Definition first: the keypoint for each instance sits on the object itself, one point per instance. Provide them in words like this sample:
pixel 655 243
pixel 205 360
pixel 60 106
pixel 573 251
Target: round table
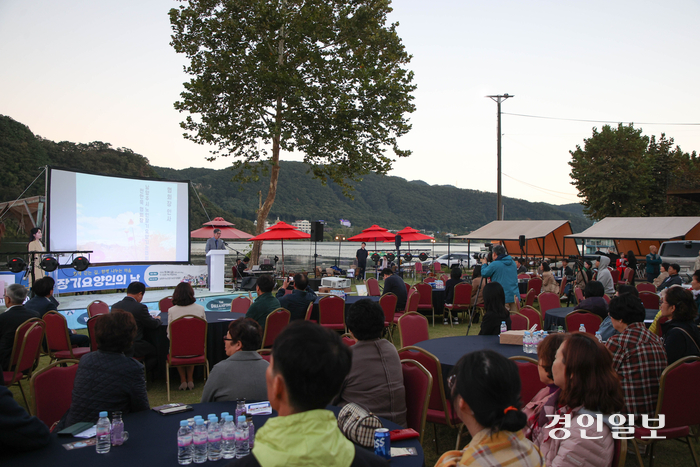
pixel 557 316
pixel 153 442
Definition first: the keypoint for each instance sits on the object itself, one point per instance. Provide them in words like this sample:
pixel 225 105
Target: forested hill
pixel 391 202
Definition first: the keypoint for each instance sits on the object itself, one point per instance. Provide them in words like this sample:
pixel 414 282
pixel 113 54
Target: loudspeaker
pixel 521 240
pixel 316 231
pixel 248 283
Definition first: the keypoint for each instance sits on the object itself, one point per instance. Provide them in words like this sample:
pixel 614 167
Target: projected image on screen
pixel 119 219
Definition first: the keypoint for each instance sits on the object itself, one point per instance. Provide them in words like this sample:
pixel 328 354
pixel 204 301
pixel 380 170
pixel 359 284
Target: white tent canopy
pixel 640 228
pixel 512 230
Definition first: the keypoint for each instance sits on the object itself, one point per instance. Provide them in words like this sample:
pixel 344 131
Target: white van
pixel 683 252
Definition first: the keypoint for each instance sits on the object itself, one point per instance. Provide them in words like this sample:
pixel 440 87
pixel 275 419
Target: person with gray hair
pixel 503 270
pixel 11 319
pixel 214 243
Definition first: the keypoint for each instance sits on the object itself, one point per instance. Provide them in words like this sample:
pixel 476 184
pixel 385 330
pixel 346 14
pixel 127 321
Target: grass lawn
pixel 668 453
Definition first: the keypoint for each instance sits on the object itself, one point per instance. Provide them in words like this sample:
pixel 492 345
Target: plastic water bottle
pixel 228 438
pixel 184 443
pixel 117 429
pixel 251 433
pixel 104 443
pixel 582 328
pixel 504 328
pixel 240 409
pixel 599 336
pixel 200 442
pixel 214 439
pixel 242 446
pixel 222 420
pixel 527 341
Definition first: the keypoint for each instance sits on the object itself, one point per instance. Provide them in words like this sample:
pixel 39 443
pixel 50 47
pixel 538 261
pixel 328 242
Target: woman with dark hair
pixel 632 264
pixel 35 245
pixel 546 351
pixel 663 275
pixel 242 374
pixel 107 379
pixel 588 388
pixel 485 389
pixel 184 304
pixel 478 283
pixel 584 274
pixel 496 311
pixel 455 278
pixel 681 336
pixel 549 283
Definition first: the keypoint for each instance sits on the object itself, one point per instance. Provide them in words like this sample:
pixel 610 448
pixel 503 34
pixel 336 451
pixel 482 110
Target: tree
pixel 611 172
pixel 326 78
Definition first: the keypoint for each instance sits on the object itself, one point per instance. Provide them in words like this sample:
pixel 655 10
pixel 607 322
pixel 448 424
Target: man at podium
pixel 214 243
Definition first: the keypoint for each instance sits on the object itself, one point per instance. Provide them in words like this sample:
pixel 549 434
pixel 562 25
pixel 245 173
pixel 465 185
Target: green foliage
pixel 22 158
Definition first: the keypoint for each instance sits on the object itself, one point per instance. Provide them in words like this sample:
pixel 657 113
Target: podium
pixel 216 270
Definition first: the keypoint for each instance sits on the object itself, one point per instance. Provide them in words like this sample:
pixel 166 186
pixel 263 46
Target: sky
pixel 85 70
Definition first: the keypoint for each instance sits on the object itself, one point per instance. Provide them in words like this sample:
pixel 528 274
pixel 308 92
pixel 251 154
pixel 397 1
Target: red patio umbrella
pixel 281 231
pixel 227 230
pixel 409 234
pixel 374 233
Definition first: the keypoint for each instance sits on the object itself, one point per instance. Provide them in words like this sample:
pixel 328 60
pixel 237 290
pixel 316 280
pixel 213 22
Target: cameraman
pixel 503 271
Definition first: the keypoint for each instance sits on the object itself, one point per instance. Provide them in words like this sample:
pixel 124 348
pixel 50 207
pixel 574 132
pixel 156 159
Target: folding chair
pixel 418 383
pixel 52 390
pixel 413 328
pixel 188 345
pixel 274 323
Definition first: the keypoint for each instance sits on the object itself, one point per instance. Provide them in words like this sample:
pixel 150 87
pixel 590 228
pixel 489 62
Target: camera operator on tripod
pixel 502 270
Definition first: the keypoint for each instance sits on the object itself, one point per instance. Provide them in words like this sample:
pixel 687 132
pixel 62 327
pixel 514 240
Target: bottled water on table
pixel 242 446
pixel 527 341
pixel 214 439
pixel 184 443
pixel 222 420
pixel 240 409
pixel 582 328
pixel 599 336
pixel 504 328
pixel 104 442
pixel 200 442
pixel 228 438
pixel 117 429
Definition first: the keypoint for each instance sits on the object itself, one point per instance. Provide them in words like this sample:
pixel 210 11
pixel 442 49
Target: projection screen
pixel 122 220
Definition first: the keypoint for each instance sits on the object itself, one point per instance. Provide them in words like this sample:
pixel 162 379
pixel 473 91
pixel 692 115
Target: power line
pixel 598 121
pixel 544 190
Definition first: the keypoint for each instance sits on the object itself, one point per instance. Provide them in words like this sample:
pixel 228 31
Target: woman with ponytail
pixel 485 389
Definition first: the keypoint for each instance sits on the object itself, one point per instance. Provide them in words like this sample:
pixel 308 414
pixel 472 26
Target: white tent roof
pixel 512 230
pixel 639 228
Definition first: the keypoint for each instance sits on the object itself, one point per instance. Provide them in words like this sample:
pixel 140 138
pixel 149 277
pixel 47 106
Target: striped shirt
pixel 503 448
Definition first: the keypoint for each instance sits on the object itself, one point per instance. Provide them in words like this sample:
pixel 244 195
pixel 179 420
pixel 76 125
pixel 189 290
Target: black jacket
pixel 140 311
pixel 41 305
pixel 9 322
pixel 677 343
pixel 18 430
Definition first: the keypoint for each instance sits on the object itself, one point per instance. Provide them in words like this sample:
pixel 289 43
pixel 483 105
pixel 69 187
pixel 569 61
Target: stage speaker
pixel 317 231
pixel 521 241
pixel 248 283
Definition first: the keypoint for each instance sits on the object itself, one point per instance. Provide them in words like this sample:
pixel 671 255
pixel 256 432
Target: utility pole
pixel 498 99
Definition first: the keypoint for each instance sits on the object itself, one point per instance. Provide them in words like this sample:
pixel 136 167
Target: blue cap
pixel 199 421
pixel 214 419
pixel 229 418
pixel 241 418
pixel 198 417
pixel 103 414
pixel 223 415
pixel 211 415
pixel 184 423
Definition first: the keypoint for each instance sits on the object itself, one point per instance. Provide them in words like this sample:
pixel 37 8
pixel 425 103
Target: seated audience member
pixel 593 300
pixel 478 284
pixel 521 268
pixel 375 381
pixel 583 372
pixel 546 351
pixel 603 275
pixel 606 328
pixel 496 311
pixel 639 357
pixel 632 264
pixel 242 266
pixel 455 278
pixel 19 431
pixel 184 304
pixel 681 336
pixel 485 388
pixel 672 279
pixel 695 290
pixel 663 275
pixel 394 284
pixel 307 368
pixel 549 283
pixel 584 274
pixel 143 347
pixel 11 319
pixel 242 374
pixel 265 303
pixel 108 380
pixel 298 301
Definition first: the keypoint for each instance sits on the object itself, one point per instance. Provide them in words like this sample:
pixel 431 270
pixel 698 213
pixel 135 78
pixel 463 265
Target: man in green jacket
pixel 266 303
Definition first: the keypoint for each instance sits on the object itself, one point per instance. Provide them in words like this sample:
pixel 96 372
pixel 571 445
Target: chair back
pixel 548 300
pixel 530 383
pixel 523 276
pixel 429 280
pixel 530 298
pixel 627 276
pixel 650 300
pixel 97 307
pixel 562 286
pixel 388 303
pixel 413 300
pixel 679 409
pixel 52 390
pixel 444 278
pixel 418 267
pixel 646 287
pixel 437 267
pixel 519 322
pixel 413 328
pixel 309 310
pixel 240 304
pixel 234 273
pixel 615 273
pixel 619 452
pixel 426 294
pixel 91 332
pixel 25 349
pixel 274 323
pixel 576 318
pixel 164 304
pixel 579 294
pixel 348 339
pixel 265 354
pixel 418 383
pixel 373 287
pixel 535 283
pixel 188 337
pixel 408 288
pixel 533 316
pixel 607 299
pixel 331 313
pixel 57 338
pixel 462 294
pixel 437 400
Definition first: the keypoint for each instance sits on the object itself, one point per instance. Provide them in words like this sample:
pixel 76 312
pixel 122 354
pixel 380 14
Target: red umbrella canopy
pixel 227 230
pixel 281 231
pixel 409 234
pixel 219 222
pixel 373 234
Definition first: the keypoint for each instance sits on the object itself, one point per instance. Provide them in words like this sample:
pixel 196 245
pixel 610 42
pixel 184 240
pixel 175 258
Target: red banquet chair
pixel 429 280
pixel 530 383
pixel 348 339
pixel 52 391
pixel 533 316
pixel 309 310
pixel 331 313
pixel 25 353
pixel 165 304
pixel 575 319
pixel 579 294
pixel 58 339
pixel 274 323
pixel 523 276
pixel 519 322
pixel 607 299
pixel 418 383
pixel 534 283
pixel 615 273
pixel 680 411
pixel 650 300
pixel 548 301
pixel 646 287
pixel 460 298
pixel 373 287
pixel 388 304
pixel 188 345
pixel 91 332
pixel 411 304
pixel 240 304
pixel 265 354
pixel 426 299
pixel 530 297
pixel 97 307
pixel 440 409
pixel 413 328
